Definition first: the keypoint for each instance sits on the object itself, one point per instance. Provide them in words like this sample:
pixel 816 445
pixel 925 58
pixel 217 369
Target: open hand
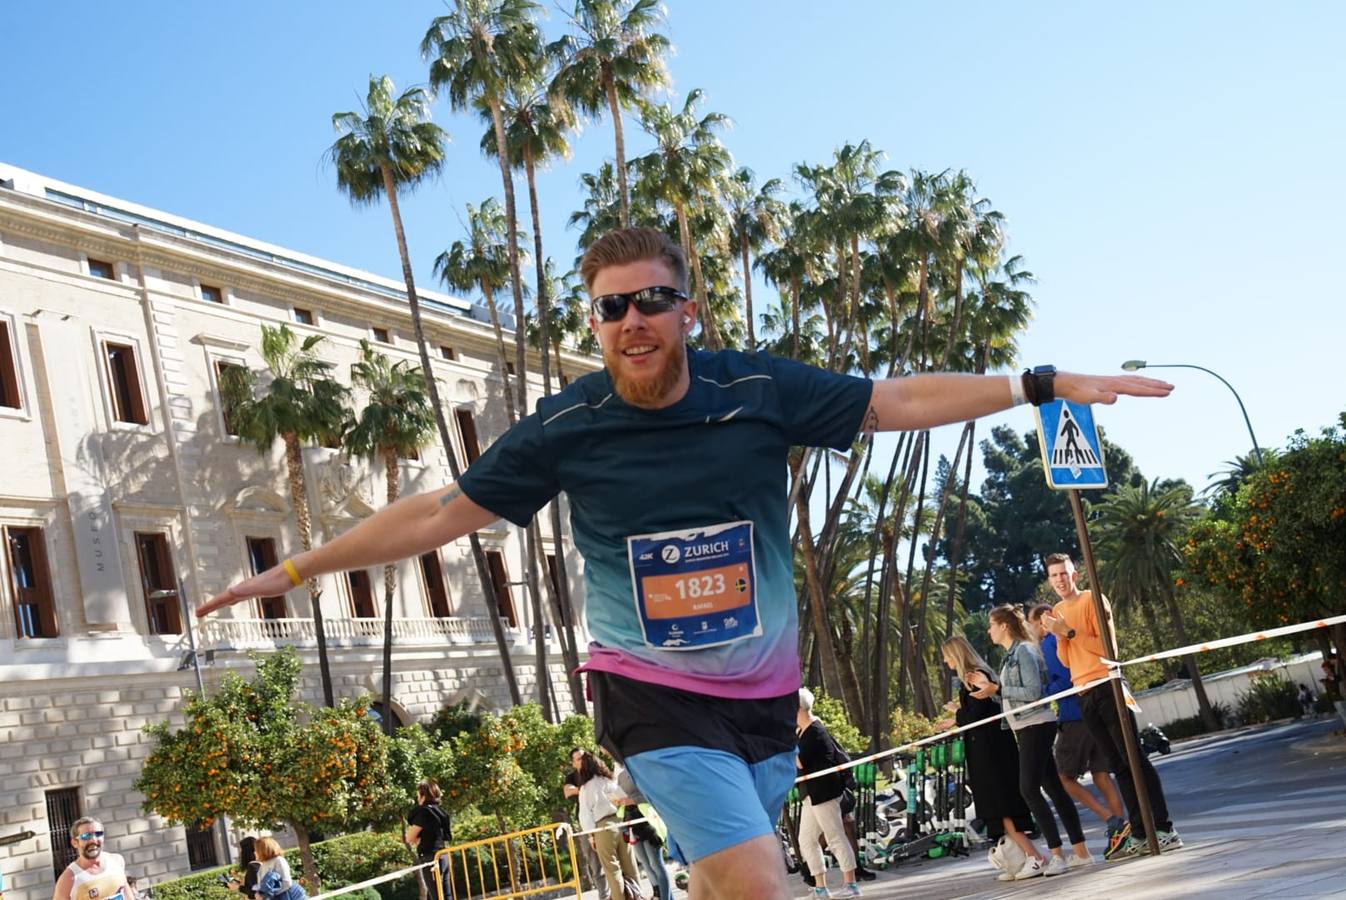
pixel 273 582
pixel 1107 388
pixel 1055 624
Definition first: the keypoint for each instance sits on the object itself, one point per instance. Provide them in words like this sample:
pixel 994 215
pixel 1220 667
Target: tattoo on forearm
pixel 870 424
pixel 453 493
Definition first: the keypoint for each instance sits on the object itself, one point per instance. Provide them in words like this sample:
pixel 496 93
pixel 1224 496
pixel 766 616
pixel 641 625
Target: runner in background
pixel 95 874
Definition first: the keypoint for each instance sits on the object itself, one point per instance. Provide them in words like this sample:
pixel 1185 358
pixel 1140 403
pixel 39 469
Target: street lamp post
pixel 1132 365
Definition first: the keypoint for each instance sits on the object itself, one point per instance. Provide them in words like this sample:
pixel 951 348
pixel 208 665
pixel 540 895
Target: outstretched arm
pixel 410 527
pixel 927 400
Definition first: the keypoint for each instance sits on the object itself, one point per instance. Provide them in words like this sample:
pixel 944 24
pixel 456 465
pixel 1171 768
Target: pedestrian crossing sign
pixel 1072 453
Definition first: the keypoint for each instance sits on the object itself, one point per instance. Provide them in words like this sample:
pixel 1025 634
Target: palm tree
pixel 614 57
pixel 1139 531
pixel 395 423
pixel 299 402
pixel 482 263
pixel 480 49
pixel 755 215
pixel 685 170
pixel 392 143
pixel 1238 470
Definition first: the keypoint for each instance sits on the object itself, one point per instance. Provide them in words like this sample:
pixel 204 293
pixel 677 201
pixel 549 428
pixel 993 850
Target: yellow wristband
pixel 290 570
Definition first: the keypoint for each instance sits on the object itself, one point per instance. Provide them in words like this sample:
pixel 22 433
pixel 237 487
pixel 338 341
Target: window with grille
pixel 62 812
pixel 201 847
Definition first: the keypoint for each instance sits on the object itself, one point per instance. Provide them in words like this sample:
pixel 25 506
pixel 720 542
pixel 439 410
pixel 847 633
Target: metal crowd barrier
pixel 538 862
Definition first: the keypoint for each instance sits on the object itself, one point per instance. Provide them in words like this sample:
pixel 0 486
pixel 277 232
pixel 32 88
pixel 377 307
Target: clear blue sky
pixel 1172 173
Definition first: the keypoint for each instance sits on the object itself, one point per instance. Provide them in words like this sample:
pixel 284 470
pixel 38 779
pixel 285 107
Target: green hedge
pixel 358 857
pixel 1269 697
pixel 344 860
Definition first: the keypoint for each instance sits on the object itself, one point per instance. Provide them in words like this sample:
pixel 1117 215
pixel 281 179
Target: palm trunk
pixel 955 557
pixel 708 326
pixel 794 317
pixel 925 699
pixel 747 293
pixel 515 276
pixel 614 108
pixel 392 473
pixel 1193 668
pixel 557 594
pixel 478 554
pixel 500 349
pixel 822 630
pixel 294 464
pixel 906 671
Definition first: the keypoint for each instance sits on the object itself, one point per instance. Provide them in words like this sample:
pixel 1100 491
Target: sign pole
pixel 1110 647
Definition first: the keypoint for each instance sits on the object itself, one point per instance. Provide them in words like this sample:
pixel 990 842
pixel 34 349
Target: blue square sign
pixel 1072 454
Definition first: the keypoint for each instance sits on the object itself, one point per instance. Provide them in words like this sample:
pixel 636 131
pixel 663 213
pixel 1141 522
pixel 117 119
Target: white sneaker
pixel 1032 869
pixel 1057 866
pixel 1005 876
pixel 1075 862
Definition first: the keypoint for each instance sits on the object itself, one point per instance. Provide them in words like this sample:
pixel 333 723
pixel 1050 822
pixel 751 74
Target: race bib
pixel 104 887
pixel 695 588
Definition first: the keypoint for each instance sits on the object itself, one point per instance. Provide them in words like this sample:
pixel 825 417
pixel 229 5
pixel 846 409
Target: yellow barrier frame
pixel 551 845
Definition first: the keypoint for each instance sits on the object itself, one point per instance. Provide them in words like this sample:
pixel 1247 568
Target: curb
pixel 1332 743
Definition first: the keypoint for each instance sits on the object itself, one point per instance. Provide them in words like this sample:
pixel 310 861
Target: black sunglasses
pixel 88 835
pixel 650 301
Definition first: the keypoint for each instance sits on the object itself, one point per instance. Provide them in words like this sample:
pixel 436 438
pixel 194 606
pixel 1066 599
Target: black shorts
pixel 633 717
pixel 1077 752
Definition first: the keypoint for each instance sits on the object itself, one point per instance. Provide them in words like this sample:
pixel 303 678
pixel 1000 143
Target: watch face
pixel 1044 370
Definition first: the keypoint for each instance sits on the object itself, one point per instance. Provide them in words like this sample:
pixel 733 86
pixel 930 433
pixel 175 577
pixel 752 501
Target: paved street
pixel 1262 812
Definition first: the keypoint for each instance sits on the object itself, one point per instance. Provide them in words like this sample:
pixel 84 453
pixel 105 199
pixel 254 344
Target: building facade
pixel 125 500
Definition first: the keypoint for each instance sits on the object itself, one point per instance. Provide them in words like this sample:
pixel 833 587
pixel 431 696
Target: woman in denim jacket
pixel 1022 678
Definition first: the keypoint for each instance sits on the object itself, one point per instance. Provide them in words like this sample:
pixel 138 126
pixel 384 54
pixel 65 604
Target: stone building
pixel 124 500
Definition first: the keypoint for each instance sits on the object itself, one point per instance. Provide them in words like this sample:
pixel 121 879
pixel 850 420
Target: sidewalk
pixel 1262 812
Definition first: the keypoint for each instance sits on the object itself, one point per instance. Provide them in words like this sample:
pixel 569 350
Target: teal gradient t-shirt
pixel 714 463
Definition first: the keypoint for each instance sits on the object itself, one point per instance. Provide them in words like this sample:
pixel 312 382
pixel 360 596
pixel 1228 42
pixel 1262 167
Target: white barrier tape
pixel 618 827
pixel 1114 669
pixel 1233 641
pixel 391 876
pixel 945 735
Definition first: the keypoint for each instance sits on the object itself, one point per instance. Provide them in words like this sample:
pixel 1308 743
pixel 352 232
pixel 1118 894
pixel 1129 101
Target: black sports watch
pixel 1040 384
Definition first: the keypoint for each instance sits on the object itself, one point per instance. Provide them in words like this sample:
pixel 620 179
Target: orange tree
pixel 1276 543
pixel 251 753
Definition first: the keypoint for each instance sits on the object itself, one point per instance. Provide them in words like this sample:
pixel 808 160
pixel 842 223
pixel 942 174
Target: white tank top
pixel 103 883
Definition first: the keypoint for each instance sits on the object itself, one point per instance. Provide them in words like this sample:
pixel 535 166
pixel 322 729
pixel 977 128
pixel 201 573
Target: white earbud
pixel 686 320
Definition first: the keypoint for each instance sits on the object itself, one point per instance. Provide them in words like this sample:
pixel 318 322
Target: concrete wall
pixel 1177 699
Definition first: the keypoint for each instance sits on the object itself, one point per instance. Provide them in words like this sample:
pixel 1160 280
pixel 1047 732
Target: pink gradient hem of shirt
pixel 730 687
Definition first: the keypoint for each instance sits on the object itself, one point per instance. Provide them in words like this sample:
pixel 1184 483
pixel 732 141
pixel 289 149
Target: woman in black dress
pixel 992 757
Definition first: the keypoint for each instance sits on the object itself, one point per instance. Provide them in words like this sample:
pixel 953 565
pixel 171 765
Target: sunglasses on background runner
pixel 650 301
pixel 89 835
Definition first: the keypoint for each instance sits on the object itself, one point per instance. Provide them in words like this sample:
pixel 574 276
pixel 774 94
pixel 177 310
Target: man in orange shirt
pixel 1079 644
